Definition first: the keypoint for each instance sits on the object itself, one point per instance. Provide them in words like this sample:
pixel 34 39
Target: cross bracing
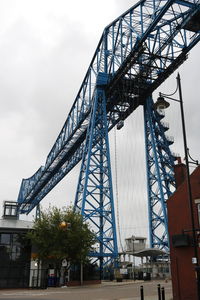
pixel 135 54
pixel 160 175
pixel 94 196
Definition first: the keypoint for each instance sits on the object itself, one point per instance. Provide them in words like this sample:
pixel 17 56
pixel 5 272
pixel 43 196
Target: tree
pixel 61 234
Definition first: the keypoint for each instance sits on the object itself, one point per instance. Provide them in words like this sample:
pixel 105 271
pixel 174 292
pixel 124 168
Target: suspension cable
pixel 116 189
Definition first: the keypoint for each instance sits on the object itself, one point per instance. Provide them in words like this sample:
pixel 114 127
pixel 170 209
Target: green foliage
pixel 55 243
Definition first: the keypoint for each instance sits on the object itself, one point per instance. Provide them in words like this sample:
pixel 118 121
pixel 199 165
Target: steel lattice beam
pixel 160 175
pixel 135 54
pixel 94 196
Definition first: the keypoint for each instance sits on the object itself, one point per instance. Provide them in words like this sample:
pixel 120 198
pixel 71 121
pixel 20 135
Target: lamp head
pixel 161 103
pixel 64 225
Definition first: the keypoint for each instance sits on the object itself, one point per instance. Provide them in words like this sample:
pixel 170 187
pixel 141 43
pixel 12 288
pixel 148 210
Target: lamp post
pixel 133 265
pixel 64 226
pixel 161 101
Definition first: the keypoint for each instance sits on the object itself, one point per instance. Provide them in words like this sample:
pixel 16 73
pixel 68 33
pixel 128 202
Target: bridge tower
pixel 94 196
pixel 136 53
pixel 160 174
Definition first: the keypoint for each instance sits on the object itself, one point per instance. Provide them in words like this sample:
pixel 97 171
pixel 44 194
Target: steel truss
pixel 94 196
pixel 160 174
pixel 135 54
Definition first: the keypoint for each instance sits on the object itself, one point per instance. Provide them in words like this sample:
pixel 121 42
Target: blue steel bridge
pixel 136 53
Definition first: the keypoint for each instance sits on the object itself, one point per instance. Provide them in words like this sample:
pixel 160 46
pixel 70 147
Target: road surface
pixel 104 291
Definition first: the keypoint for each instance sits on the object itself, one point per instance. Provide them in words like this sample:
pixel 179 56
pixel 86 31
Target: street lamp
pixel 64 225
pixel 133 265
pixel 162 103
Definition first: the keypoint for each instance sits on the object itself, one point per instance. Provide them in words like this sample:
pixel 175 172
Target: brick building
pixel 181 243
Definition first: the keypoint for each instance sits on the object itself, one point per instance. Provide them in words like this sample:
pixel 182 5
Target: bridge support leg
pixel 160 174
pixel 94 196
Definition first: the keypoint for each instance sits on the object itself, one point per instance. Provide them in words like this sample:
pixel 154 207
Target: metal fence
pixel 24 277
pixel 15 277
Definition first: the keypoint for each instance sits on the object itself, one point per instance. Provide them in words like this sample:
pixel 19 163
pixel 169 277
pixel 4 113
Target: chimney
pixel 180 172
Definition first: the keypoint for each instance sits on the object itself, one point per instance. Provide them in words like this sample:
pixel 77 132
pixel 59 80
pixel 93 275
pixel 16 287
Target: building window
pixel 15 254
pixel 5 239
pixel 10 209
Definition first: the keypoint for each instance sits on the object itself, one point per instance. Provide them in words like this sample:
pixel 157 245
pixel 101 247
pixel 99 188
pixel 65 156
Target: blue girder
pixel 160 174
pixel 137 51
pixel 94 196
pixel 135 54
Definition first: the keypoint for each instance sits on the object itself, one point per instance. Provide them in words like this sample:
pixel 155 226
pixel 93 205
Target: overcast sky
pixel 45 49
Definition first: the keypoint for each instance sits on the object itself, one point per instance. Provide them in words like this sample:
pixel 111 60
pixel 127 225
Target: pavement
pixel 107 290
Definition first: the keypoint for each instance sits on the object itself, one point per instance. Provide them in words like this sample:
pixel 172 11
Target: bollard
pixel 141 292
pixel 163 293
pixel 159 292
